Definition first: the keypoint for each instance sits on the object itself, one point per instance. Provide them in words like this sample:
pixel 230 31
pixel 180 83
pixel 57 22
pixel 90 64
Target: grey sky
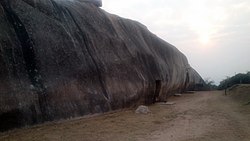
pixel 213 34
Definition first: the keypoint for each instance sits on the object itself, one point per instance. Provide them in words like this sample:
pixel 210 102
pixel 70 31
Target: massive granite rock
pixel 62 59
pixel 97 3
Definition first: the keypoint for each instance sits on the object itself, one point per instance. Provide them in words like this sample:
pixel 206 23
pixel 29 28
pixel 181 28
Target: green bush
pixel 239 78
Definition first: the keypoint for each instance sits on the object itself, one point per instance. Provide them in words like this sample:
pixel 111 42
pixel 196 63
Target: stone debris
pixel 142 110
pixel 166 103
pixel 177 95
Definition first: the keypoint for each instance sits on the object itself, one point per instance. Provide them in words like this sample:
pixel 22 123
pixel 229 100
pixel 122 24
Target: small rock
pixel 142 110
pixel 178 95
pixel 166 103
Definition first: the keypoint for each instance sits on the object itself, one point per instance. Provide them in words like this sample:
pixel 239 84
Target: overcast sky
pixel 213 34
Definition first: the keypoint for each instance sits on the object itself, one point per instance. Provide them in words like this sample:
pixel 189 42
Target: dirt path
pixel 209 116
pixel 203 116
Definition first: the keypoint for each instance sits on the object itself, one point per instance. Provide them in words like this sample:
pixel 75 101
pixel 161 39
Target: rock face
pixel 97 3
pixel 62 59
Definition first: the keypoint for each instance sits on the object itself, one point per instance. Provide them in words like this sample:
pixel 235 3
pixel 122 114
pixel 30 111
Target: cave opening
pixel 158 84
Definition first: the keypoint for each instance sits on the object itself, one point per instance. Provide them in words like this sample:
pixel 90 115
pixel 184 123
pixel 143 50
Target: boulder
pixel 62 59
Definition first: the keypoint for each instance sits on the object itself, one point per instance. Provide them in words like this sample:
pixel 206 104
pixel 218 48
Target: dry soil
pixel 202 116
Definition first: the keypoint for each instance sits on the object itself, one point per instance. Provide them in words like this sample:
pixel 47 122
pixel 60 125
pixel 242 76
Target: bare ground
pixel 203 116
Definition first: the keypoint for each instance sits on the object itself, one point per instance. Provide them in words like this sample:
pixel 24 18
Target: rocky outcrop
pixel 97 3
pixel 62 59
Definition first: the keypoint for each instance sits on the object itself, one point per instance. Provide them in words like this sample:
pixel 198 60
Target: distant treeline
pixel 240 78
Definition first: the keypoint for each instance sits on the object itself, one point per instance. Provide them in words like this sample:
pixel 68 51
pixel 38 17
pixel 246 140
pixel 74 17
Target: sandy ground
pixel 203 116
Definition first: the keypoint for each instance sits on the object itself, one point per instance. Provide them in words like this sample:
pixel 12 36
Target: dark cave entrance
pixel 186 83
pixel 157 91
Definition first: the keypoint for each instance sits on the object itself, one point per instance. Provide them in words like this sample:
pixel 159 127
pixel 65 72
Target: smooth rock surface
pixel 62 59
pixel 97 3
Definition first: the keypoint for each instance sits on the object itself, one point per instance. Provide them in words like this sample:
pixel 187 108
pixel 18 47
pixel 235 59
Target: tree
pixel 210 84
pixel 239 78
